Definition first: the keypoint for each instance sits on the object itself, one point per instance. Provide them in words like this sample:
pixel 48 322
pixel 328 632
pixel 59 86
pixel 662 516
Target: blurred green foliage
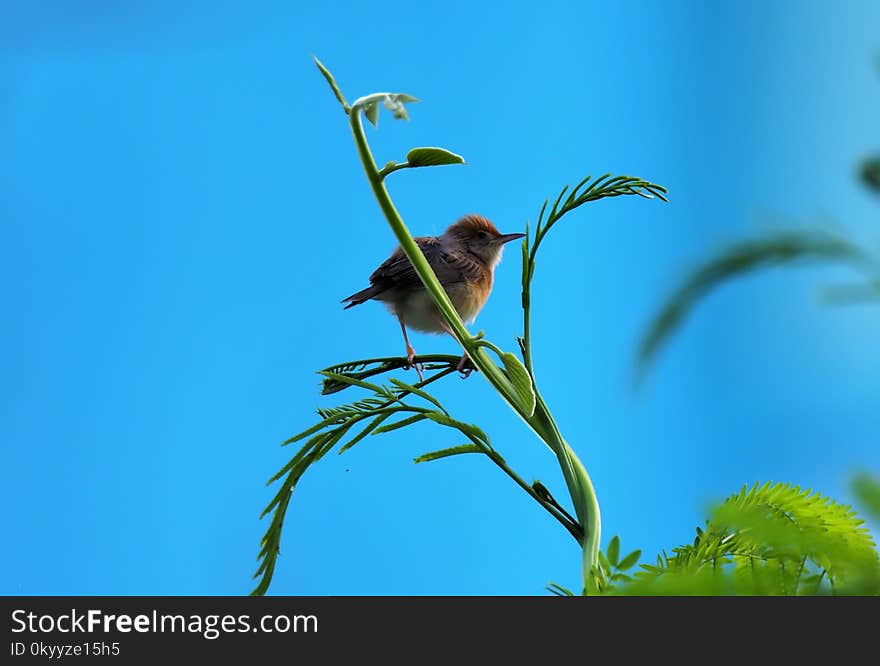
pixel 870 174
pixel 770 539
pixel 785 248
pixel 774 538
pixel 867 491
pixel 739 259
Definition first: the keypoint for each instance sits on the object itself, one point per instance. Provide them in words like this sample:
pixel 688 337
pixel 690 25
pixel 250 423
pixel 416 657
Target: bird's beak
pixel 506 238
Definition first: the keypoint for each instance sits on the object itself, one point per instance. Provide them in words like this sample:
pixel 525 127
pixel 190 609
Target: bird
pixel 464 258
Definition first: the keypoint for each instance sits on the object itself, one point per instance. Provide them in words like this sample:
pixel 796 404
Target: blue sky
pixel 182 209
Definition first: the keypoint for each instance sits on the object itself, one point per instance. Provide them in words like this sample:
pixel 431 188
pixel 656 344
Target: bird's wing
pixel 398 273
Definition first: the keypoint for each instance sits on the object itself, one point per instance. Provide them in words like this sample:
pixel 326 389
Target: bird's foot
pixel 411 360
pixel 465 366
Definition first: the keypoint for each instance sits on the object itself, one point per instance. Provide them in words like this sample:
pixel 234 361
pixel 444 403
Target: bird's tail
pixel 361 297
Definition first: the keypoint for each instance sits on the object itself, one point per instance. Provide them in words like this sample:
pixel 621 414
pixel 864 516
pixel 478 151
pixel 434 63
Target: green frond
pixel 585 191
pixel 369 429
pixel 610 572
pixel 770 539
pixel 467 428
pixel 446 453
pixel 588 190
pixel 559 590
pixel 613 551
pixel 629 561
pixel 371 367
pixel 314 442
pixel 415 418
pixel 867 491
pixel 541 217
pixel 784 524
pixel 781 248
pixel 337 422
pixel 352 381
pixel 870 174
pixel 424 395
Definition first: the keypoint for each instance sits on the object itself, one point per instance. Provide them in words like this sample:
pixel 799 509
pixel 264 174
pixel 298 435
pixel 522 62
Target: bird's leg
pixel 463 371
pixel 410 352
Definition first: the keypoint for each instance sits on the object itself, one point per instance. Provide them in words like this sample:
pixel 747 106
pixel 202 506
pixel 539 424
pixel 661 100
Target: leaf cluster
pixel 769 539
pixel 610 572
pixel 866 488
pixel 588 189
pixel 387 408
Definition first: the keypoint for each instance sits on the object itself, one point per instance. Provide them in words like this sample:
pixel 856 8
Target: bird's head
pixel 479 236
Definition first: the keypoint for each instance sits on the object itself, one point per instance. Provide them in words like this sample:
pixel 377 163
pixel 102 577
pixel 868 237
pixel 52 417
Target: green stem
pixel 528 268
pixel 579 483
pixel 573 528
pixel 391 168
pixel 527 336
pixel 493 347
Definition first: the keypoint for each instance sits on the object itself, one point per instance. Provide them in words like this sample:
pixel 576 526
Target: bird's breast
pixel 470 297
pixel 418 311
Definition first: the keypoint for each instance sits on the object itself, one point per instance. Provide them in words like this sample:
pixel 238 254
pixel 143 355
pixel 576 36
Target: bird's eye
pixel 482 235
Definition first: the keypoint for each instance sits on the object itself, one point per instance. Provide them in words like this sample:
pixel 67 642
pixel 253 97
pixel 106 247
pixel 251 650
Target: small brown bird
pixel 464 260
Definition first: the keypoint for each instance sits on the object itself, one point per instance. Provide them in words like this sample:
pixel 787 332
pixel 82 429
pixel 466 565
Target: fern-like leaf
pixel 782 248
pixel 769 539
pixel 559 590
pixel 371 367
pixel 369 414
pixel 867 491
pixel 446 453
